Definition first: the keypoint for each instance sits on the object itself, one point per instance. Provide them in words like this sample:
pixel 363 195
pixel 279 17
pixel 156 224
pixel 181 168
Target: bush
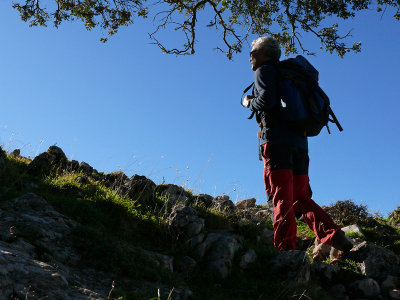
pixel 347 212
pixel 394 217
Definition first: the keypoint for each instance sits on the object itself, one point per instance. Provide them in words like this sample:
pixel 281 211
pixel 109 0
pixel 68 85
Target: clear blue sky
pixel 126 105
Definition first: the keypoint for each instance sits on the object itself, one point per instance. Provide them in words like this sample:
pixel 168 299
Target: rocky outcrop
pixel 141 189
pixel 223 203
pixel 184 222
pixel 292 265
pixel 174 195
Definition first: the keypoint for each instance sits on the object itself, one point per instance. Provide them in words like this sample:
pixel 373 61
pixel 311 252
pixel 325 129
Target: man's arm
pixel 265 83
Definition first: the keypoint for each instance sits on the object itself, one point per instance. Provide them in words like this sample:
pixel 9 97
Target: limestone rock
pixel 324 271
pixel 338 292
pixel 3 157
pixel 391 286
pixel 223 203
pixel 353 228
pixel 115 179
pixel 85 168
pixel 321 251
pixel 161 260
pixel 141 189
pixel 185 265
pixel 293 265
pixel 174 194
pixel 246 203
pixel 375 261
pixel 218 250
pixel 366 288
pixel 248 258
pixel 16 153
pixel 205 199
pixel 184 221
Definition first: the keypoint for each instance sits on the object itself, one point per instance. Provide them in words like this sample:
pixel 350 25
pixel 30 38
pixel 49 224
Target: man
pixel 285 157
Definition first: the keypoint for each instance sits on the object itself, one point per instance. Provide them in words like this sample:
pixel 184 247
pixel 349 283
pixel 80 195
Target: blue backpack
pixel 304 107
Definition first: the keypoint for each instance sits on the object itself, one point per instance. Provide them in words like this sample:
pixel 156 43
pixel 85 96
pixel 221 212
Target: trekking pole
pixel 335 120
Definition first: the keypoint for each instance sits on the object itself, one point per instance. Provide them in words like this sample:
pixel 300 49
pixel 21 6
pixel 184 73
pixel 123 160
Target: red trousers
pixel 287 183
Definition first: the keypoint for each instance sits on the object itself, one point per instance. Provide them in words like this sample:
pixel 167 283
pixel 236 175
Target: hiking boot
pixel 341 242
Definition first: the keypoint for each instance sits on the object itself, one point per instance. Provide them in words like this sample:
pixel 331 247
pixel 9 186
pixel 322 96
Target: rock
pixel 375 261
pixel 220 267
pixel 366 288
pixel 161 260
pixel 41 164
pixel 353 229
pixel 85 168
pixel 73 165
pixel 391 285
pixel 324 271
pixel 16 153
pixel 338 292
pixel 243 204
pixel 293 265
pixel 205 199
pixel 141 189
pixel 39 224
pixel 263 214
pixel 174 194
pixel 44 162
pixel 115 179
pixel 248 258
pixel 82 180
pixel 57 157
pixel 394 294
pixel 3 157
pixel 184 222
pixel 194 241
pixel 222 203
pixel 185 265
pixel 219 250
pixel 321 251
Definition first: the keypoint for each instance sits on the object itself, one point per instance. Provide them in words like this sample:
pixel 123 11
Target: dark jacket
pixel 266 106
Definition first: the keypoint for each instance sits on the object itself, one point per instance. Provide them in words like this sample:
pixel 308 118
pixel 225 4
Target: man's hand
pixel 246 100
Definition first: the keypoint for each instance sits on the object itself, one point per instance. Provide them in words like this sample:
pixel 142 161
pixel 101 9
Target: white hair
pixel 269 45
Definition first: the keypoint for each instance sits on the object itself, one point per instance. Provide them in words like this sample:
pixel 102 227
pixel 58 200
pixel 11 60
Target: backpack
pixel 304 107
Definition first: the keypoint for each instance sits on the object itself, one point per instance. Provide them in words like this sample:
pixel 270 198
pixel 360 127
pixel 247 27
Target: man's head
pixel 263 49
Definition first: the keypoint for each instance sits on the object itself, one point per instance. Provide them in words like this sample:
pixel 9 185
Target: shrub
pixel 347 212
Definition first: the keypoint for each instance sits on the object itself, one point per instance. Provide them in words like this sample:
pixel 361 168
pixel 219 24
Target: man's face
pixel 257 58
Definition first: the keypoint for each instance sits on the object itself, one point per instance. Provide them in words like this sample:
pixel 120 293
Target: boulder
pixel 219 250
pixel 185 222
pixel 185 265
pixel 321 251
pixel 223 203
pixel 375 261
pixel 54 158
pixel 353 229
pixel 115 179
pixel 174 194
pixel 3 157
pixel 248 258
pixel 293 265
pixel 324 271
pixel 41 164
pixel 16 153
pixel 243 204
pixel 338 292
pixel 85 168
pixel 205 199
pixel 141 189
pixel 391 286
pixel 160 260
pixel 368 288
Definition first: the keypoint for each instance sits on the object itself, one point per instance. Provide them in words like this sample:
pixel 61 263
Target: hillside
pixel 68 231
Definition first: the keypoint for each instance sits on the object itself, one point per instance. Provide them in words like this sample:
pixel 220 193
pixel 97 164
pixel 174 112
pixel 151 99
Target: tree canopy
pixel 235 20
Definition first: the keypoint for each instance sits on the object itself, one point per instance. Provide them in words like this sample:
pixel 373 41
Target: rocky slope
pixel 68 231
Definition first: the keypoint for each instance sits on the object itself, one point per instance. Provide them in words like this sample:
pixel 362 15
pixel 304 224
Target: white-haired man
pixel 285 157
